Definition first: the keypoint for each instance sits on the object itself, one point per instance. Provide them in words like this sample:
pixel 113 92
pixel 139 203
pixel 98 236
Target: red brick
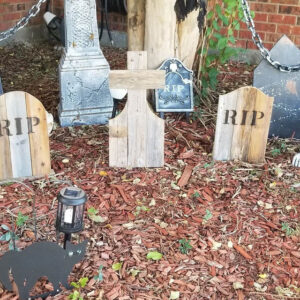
pixel 266 27
pixel 285 29
pixel 272 37
pixel 260 17
pixel 295 2
pixel 288 9
pixel 267 8
pixel 282 19
pixel 295 30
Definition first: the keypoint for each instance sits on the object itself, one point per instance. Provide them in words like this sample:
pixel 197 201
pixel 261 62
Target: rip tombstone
pixel 284 87
pixel 177 95
pixel 24 141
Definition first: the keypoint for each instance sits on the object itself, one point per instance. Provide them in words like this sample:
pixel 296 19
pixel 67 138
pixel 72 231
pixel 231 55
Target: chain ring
pixel 265 53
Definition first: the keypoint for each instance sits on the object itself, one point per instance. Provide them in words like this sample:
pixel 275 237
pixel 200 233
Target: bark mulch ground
pixel 225 230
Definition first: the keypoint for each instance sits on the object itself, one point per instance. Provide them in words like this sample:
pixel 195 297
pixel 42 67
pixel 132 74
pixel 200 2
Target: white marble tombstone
pixel 83 71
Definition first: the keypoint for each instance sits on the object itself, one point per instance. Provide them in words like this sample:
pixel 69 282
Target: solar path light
pixel 71 202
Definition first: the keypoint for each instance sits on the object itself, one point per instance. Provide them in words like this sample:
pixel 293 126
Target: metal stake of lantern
pixel 71 201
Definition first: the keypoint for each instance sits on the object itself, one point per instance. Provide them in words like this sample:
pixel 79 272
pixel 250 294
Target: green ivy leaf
pixel 209 15
pixel 208 215
pixel 92 211
pixel 21 219
pixel 222 43
pixel 83 281
pixel 75 285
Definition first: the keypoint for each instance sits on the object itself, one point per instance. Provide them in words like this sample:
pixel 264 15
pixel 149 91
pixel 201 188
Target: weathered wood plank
pixel 5 162
pixel 223 137
pixel 242 133
pixel 19 140
pixel 137 79
pixel 137 125
pixel 155 137
pixel 136 24
pixel 39 140
pixel 137 129
pixel 260 131
pixel 160 32
pixel 243 123
pixel 137 134
pixel 118 139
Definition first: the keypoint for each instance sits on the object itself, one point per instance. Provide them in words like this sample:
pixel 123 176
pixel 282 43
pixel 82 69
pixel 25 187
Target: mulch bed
pixel 241 220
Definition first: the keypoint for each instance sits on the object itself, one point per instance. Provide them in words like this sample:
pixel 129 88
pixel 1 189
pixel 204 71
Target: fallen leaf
pixel 154 255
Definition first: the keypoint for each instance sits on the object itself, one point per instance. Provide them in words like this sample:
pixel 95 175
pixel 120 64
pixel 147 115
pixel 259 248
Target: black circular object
pixel 72 196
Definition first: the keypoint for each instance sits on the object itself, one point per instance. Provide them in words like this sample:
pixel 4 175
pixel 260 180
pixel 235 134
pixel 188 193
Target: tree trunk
pixel 162 35
pixel 136 24
pixel 160 32
pixel 188 38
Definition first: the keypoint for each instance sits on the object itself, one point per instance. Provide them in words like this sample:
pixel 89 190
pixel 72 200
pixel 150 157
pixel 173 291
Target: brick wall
pixel 273 18
pixel 12 10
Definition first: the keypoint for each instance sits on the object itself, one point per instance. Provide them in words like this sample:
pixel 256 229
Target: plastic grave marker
pixel 136 135
pixel 243 123
pixel 24 141
pixel 83 71
pixel 284 87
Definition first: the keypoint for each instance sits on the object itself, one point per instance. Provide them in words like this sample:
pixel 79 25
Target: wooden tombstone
pixel 243 123
pixel 24 141
pixel 136 135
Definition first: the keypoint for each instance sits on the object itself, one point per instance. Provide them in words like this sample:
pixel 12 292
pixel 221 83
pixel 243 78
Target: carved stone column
pixel 83 71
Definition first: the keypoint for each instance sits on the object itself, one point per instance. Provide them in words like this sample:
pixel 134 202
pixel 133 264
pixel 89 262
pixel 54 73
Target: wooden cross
pixel 136 135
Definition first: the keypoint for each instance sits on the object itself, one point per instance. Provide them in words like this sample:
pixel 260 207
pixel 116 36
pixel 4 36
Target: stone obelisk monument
pixel 83 71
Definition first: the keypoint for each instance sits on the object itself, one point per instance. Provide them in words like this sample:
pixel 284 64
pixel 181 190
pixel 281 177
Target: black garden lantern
pixel 71 201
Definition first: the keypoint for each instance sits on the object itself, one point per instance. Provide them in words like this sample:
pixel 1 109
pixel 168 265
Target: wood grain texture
pixel 161 41
pixel 136 24
pixel 137 79
pixel 259 134
pixel 245 100
pixel 188 38
pixel 223 136
pixel 39 140
pixel 19 143
pixel 136 136
pixel 244 137
pixel 5 161
pixel 118 139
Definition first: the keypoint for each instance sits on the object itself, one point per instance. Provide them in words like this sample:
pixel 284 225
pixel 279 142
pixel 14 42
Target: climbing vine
pixel 222 21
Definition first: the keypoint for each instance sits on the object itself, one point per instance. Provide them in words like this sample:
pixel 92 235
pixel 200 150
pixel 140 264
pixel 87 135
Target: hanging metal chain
pixel 34 10
pixel 258 42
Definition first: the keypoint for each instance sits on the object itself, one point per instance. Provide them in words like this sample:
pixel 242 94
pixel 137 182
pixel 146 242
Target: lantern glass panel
pixel 68 214
pixel 78 215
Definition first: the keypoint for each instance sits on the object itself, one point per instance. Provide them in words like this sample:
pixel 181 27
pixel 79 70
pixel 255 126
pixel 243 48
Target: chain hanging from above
pixel 34 10
pixel 258 42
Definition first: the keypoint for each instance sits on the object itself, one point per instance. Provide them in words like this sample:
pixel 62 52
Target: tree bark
pixel 188 39
pixel 136 24
pixel 160 31
pixel 165 37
